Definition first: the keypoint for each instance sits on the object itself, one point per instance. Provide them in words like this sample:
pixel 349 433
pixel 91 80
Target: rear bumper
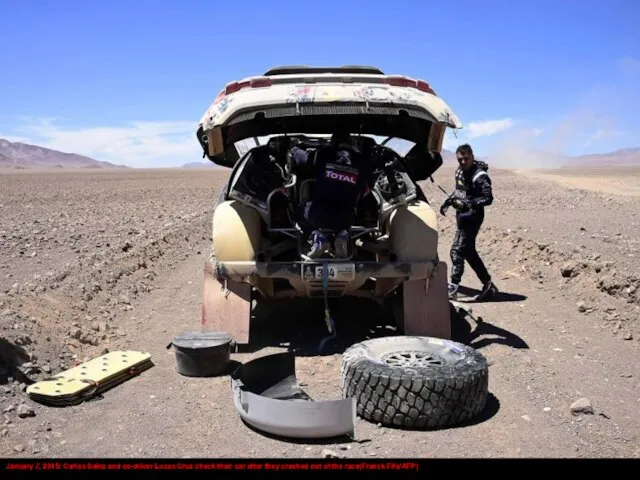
pixel 243 271
pixel 267 395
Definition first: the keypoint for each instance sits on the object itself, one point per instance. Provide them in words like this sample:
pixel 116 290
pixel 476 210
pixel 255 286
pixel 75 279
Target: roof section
pixel 298 69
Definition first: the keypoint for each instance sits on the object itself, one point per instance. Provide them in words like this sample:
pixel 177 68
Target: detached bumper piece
pixel 268 397
pixel 88 379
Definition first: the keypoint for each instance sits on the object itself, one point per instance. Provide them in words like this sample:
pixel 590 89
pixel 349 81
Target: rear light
pixel 425 87
pixel 260 82
pixel 232 88
pixel 235 87
pixel 253 83
pixel 400 81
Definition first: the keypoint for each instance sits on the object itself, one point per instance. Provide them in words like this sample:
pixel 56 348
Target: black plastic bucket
pixel 202 354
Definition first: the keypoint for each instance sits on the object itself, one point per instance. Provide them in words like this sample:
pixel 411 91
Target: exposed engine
pixel 261 180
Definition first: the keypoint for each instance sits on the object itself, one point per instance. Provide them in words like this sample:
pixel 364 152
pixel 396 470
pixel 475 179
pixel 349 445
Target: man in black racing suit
pixel 472 193
pixel 342 176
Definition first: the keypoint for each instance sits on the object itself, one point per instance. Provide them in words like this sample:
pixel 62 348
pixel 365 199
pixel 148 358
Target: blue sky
pixel 127 81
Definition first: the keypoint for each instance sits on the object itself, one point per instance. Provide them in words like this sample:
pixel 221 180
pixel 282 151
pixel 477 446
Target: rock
pixel 19 448
pixel 46 368
pixel 4 432
pixel 568 270
pixel 582 405
pixel 582 307
pixel 610 285
pixel 628 336
pixel 89 339
pixel 25 411
pixel 546 409
pixel 326 453
pixel 75 332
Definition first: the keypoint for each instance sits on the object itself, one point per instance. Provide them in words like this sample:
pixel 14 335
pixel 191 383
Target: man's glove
pixel 461 205
pixel 445 206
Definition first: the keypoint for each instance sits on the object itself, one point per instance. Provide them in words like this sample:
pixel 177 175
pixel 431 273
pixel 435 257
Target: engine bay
pixel 262 181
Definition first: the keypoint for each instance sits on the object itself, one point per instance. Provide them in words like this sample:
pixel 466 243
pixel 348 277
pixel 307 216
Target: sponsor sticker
pixel 342 176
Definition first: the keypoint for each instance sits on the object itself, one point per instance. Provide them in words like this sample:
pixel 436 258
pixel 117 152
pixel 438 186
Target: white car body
pixel 280 94
pixel 258 246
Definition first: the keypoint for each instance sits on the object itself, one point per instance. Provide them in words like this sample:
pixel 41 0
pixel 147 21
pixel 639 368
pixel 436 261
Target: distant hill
pixel 22 155
pixel 534 158
pixel 198 165
pixel 627 157
pixel 448 158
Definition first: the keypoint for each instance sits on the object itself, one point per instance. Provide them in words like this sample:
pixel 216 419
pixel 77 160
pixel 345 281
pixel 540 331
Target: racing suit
pixel 472 193
pixel 342 176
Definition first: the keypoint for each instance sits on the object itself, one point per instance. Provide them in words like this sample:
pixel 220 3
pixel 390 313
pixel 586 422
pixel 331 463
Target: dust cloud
pixel 600 118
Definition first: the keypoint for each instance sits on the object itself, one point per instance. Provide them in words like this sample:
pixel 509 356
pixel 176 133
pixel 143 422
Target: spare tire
pixel 415 382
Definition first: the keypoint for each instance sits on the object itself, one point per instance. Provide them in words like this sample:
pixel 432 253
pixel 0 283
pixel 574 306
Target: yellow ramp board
pixel 87 379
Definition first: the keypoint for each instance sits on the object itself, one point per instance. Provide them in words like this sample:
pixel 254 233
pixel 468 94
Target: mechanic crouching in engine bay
pixel 343 175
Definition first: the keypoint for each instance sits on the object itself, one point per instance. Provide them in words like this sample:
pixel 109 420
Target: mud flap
pixel 226 306
pixel 426 306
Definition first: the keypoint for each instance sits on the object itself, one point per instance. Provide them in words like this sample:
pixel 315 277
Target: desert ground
pixel 97 260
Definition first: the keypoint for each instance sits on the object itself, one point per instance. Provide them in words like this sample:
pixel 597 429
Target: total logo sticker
pixel 342 177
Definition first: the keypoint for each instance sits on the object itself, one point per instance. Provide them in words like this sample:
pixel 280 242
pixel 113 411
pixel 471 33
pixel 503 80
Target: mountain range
pixel 627 157
pixel 23 156
pixel 206 164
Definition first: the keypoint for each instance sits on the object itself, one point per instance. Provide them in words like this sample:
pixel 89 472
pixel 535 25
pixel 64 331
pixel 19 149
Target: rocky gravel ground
pixel 98 261
pixel 77 250
pixel 577 244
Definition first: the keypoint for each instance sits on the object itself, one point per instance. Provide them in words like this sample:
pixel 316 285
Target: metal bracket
pixel 325 286
pixel 327 313
pixel 433 273
pixel 225 289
